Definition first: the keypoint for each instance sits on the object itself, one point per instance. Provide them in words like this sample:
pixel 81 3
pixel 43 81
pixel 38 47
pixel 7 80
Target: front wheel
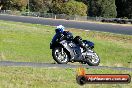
pixel 60 55
pixel 93 59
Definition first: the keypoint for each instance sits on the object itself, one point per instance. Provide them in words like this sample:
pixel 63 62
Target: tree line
pixel 93 8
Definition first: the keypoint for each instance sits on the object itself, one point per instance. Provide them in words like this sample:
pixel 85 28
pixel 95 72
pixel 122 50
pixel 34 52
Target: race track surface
pixel 120 29
pixel 49 65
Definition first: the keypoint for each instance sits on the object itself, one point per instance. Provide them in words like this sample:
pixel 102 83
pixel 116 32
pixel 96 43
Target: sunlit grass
pixel 30 43
pixel 28 77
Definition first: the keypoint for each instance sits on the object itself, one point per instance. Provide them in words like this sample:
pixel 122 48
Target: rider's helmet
pixel 59 29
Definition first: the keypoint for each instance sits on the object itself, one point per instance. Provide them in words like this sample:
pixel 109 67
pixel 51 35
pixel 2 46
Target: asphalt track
pixel 120 29
pixel 49 65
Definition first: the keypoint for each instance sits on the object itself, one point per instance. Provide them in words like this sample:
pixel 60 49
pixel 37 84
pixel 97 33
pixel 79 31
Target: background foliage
pixel 103 8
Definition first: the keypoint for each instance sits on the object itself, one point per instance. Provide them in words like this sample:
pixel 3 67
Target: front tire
pixel 60 55
pixel 93 60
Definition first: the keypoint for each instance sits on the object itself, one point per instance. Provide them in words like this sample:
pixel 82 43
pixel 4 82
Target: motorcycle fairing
pixel 75 51
pixel 89 43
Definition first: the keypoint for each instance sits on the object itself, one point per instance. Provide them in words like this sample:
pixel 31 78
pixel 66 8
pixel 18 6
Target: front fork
pixel 62 51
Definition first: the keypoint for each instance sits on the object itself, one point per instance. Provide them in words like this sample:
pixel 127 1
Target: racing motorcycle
pixel 65 50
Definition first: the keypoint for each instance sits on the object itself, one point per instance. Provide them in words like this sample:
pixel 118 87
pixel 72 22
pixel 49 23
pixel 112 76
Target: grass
pixel 30 43
pixel 25 42
pixel 28 77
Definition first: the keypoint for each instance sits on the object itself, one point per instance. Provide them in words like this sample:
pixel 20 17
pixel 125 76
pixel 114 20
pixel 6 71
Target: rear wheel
pixel 60 55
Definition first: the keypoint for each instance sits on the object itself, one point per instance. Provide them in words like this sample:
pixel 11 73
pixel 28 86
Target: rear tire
pixel 61 57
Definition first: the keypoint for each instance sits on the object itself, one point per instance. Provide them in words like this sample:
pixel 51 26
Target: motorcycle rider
pixel 62 34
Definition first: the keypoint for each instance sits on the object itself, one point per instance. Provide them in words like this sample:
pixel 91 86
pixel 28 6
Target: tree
pixel 3 4
pixel 40 5
pixel 69 7
pixel 57 6
pixel 124 8
pixel 84 1
pixel 13 4
pixel 74 8
pixel 103 8
pixel 19 4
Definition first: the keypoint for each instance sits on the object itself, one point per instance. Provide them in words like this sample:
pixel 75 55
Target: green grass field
pixel 30 43
pixel 28 77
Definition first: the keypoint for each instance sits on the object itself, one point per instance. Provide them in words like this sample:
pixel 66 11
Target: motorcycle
pixel 64 51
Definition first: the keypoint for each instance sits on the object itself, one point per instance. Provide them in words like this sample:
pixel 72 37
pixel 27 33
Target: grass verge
pixel 28 77
pixel 30 43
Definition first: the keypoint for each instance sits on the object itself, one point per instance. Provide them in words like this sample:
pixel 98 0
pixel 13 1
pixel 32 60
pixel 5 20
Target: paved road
pixel 33 64
pixel 72 24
